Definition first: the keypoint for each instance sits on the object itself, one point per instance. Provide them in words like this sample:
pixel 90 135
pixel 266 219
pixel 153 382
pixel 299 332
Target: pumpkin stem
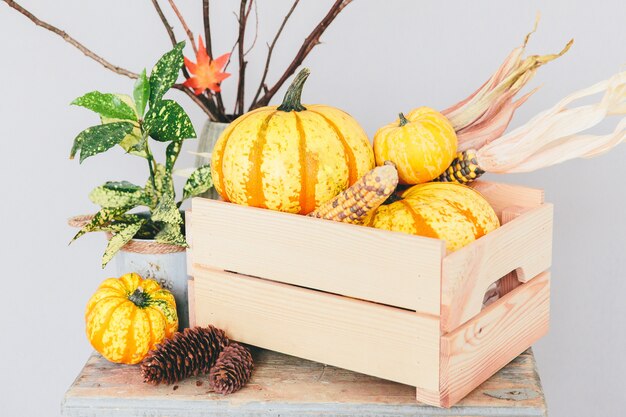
pixel 403 120
pixel 292 101
pixel 139 297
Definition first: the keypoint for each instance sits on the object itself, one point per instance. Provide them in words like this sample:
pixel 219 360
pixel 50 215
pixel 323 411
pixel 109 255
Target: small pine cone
pixel 232 370
pixel 191 352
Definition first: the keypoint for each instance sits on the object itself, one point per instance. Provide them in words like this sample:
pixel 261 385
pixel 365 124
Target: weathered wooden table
pixel 287 386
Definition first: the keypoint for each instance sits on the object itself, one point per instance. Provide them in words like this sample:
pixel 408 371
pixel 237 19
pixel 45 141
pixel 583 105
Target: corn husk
pixel 486 114
pixel 557 134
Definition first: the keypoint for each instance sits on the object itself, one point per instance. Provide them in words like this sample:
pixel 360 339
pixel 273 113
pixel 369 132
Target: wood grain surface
pixel 286 386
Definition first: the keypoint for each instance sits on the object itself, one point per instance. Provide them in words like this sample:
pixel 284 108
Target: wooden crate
pixel 386 304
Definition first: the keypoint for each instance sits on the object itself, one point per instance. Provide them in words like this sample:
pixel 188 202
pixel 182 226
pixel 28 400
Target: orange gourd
pixel 451 212
pixel 128 316
pixel 421 145
pixel 290 158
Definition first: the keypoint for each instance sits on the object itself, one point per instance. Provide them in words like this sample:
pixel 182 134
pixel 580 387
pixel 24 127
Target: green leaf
pixel 141 93
pixel 101 221
pixel 165 73
pixel 167 121
pixel 167 211
pixel 198 182
pixel 118 194
pixel 98 139
pixel 132 143
pixel 107 105
pixel 160 180
pixel 172 235
pixel 119 239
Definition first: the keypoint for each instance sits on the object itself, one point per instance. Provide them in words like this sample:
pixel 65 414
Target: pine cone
pixel 187 353
pixel 232 370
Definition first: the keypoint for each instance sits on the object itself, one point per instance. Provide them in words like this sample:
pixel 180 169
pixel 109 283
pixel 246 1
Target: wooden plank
pixel 287 386
pixel 374 339
pixel 509 282
pixel 501 196
pixel 523 245
pixel 504 329
pixel 191 294
pixel 386 267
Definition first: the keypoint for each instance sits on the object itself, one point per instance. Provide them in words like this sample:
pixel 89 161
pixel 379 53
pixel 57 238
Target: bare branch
pixel 309 43
pixel 106 64
pixel 207 27
pixel 243 20
pixel 168 27
pixel 270 50
pixel 196 99
pixel 182 22
pixel 256 29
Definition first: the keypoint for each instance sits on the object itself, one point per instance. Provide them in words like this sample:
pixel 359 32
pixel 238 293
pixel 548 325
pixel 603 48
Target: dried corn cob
pixel 365 195
pixel 463 169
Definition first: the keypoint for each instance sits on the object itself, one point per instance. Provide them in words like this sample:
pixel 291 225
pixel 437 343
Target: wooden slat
pixel 365 337
pixel 476 350
pixel 386 267
pixel 523 245
pixel 287 386
pixel 509 282
pixel 191 294
pixel 501 196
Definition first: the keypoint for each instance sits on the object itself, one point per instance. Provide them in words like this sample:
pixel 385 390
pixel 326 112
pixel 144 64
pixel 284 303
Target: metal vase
pixel 206 142
pixel 168 269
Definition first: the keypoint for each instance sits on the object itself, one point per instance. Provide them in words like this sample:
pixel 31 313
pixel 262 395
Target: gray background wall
pixel 378 58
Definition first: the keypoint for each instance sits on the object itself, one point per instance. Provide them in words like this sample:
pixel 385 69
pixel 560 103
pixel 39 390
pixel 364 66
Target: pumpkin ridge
pixel 88 312
pixel 307 192
pixel 97 338
pixel 219 169
pixel 480 231
pixel 348 152
pixel 146 316
pixel 421 226
pixel 131 346
pixel 254 185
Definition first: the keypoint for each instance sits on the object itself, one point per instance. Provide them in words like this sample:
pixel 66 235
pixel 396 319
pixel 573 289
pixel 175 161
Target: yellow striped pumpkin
pixel 421 145
pixel 128 316
pixel 447 211
pixel 290 158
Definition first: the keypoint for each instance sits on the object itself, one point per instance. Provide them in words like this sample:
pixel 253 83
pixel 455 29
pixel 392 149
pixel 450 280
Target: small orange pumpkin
pixel 452 212
pixel 421 145
pixel 128 316
pixel 292 157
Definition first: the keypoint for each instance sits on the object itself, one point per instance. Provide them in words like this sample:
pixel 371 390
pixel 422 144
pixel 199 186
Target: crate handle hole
pixel 503 286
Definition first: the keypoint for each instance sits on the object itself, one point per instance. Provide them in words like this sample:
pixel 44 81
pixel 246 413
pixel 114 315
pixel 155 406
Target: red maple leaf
pixel 207 72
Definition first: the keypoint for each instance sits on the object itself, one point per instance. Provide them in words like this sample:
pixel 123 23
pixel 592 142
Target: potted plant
pixel 143 222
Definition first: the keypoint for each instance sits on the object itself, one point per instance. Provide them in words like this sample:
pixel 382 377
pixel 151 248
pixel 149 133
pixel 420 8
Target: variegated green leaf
pixel 167 211
pixel 119 239
pixel 165 73
pixel 107 105
pixel 133 142
pixel 98 139
pixel 171 234
pixel 118 194
pixel 167 121
pixel 199 182
pixel 101 221
pixel 141 93
pixel 160 181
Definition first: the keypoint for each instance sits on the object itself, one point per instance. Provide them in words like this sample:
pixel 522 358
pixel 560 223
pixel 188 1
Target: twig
pixel 168 27
pixel 206 107
pixel 182 22
pixel 309 43
pixel 206 17
pixel 271 50
pixel 256 29
pixel 243 21
pixel 106 64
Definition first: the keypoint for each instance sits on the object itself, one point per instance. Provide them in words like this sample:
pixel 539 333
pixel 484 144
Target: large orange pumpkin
pixel 128 316
pixel 421 145
pixel 448 211
pixel 292 157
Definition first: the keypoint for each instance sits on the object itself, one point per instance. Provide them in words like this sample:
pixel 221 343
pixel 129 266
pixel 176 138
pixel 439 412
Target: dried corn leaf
pixel 557 134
